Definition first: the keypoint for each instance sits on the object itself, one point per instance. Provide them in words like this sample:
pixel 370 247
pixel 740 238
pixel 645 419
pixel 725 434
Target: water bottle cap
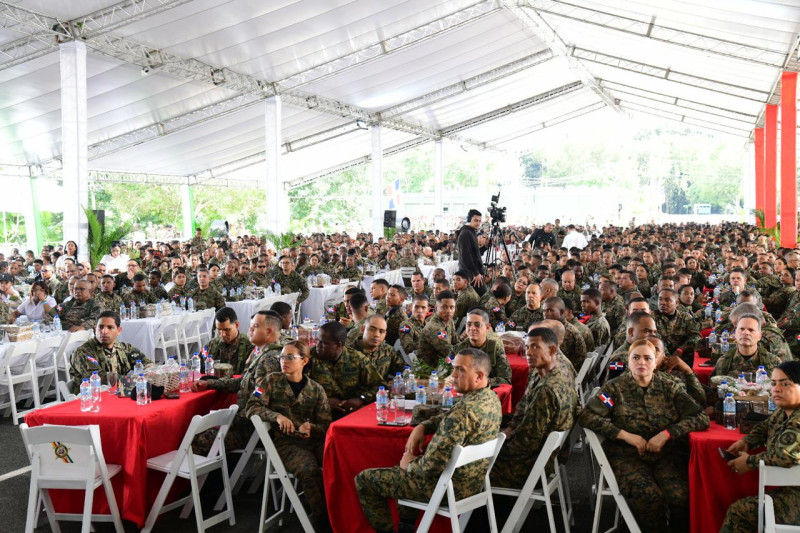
pixel 433 373
pixel 408 368
pixel 183 364
pixel 422 387
pixel 95 372
pixel 398 374
pixel 381 388
pixel 729 395
pixel 761 367
pixel 447 389
pixel 141 375
pixel 86 380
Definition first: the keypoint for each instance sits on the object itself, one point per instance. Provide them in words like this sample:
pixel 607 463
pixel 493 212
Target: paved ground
pixel 14 494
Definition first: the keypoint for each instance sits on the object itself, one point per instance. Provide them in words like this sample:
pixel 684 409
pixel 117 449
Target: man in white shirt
pixel 574 239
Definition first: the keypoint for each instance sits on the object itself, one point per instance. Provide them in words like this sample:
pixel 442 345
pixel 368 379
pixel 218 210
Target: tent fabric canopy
pixel 176 87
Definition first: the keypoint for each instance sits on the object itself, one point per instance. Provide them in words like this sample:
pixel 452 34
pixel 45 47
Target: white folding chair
pixel 63 389
pixel 17 368
pixel 582 380
pixel 206 325
pixel 46 365
pixel 276 471
pixel 189 332
pixel 185 464
pixel 607 486
pixel 67 457
pixel 775 476
pixel 168 335
pixel 460 511
pixel 398 347
pixel 72 342
pixel 530 494
pixel 240 471
pixel 769 519
pixel 461 325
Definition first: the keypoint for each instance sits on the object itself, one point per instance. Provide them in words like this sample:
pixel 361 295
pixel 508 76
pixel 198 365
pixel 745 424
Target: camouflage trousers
pixel 652 488
pixel 375 485
pixel 304 461
pixel 742 515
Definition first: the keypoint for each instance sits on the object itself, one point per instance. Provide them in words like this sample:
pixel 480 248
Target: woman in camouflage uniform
pixel 780 433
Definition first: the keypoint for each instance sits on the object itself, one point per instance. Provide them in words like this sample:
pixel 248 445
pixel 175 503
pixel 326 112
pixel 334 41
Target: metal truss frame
pixel 585 110
pixel 649 29
pixel 684 119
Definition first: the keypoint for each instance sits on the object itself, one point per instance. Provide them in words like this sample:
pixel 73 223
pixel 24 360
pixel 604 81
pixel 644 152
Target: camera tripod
pixel 497 233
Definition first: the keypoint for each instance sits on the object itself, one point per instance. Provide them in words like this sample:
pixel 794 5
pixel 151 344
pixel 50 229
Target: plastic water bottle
pixel 138 368
pixel 133 311
pixel 123 312
pixel 411 383
pixel 382 404
pixel 277 288
pixel 729 410
pixel 447 399
pixel 708 311
pixel 771 405
pixel 209 366
pixel 190 304
pixel 761 375
pixel 741 380
pixel 716 291
pixel 57 323
pixel 306 320
pixel 712 339
pixel 433 384
pixel 194 366
pixel 725 341
pixel 172 306
pixel 718 315
pixel 141 390
pixel 37 331
pixel 315 335
pixel 501 328
pixel 406 372
pixel 398 385
pixel 295 332
pixel 184 377
pixel 722 389
pixel 158 309
pixel 86 396
pixel 95 383
pixel 421 399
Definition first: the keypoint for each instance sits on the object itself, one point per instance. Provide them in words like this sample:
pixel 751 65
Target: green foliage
pixel 281 241
pixel 389 233
pixel 101 238
pixel 12 227
pixel 137 203
pixel 52 227
pixel 237 206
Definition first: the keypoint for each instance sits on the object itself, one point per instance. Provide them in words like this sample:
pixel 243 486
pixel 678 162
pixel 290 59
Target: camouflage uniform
pixel 309 270
pixel 350 376
pixel 586 334
pixel 409 334
pixel 514 303
pixel 294 282
pixel 653 481
pixel 474 419
pixel 381 307
pixel 645 288
pixel 768 285
pixel 235 353
pixel 139 298
pixel 497 312
pixel 436 340
pixel 614 312
pixel 549 404
pixel 777 302
pixel 175 292
pixel 199 243
pixel 61 292
pixel 353 274
pixel 109 301
pixel 5 314
pixel 385 360
pixel 574 295
pixel 601 332
pixel 466 300
pixel 334 312
pixel 394 317
pixel 678 331
pixel 302 457
pixel 523 317
pixel 91 356
pixel 355 332
pixel 781 436
pixel 258 279
pixel 573 346
pixel 771 336
pixel 73 313
pixel 732 363
pixel 229 283
pixel 159 292
pixel 501 370
pixel 207 299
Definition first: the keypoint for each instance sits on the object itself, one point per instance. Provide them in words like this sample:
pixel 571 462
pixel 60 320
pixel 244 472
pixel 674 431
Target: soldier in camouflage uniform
pixel 439 334
pixel 291 402
pixel 531 312
pixel 229 280
pixel 569 289
pixel 341 312
pixel 597 323
pixel 771 336
pixel 377 292
pixel 103 353
pixel 395 315
pixel 314 268
pixel 418 285
pixel 198 241
pixel 639 413
pixel 359 311
pixel 180 288
pixel 549 404
pixel 349 270
pixel 230 345
pixel 477 337
pixel 139 295
pixel 290 280
pixel 6 316
pixel 205 296
pixel 474 419
pixel 155 285
pixel 410 330
pixel 467 296
pixel 407 260
pixel 678 330
pixel 778 300
pixel 747 355
pixel 61 292
pixel 259 277
pixel 780 434
pixel 348 377
pixel 371 343
pixel 613 306
pixel 572 346
pixel 79 313
pixel 107 298
pixel 583 329
pixel 768 282
pixel 496 304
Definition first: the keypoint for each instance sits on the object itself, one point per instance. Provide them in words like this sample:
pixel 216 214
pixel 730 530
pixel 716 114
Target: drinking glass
pixel 112 380
pixel 397 408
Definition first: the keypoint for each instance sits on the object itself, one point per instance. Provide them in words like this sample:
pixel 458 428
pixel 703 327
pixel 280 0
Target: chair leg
pixel 12 398
pixel 198 511
pixel 33 505
pixel 598 506
pixel 50 511
pixel 88 499
pixel 548 503
pixel 264 502
pixel 34 384
pixel 159 503
pixel 188 507
pixel 112 506
pixel 226 482
pixel 563 498
pixel 238 471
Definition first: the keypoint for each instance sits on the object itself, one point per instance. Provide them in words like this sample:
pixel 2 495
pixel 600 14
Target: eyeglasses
pixel 290 357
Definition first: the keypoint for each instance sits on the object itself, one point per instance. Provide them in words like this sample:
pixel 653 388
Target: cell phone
pixel 728 456
pixel 298 434
pixel 172 396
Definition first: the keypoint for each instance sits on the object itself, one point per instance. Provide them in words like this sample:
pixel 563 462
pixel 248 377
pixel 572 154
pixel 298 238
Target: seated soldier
pixel 531 312
pixel 378 291
pixel 349 379
pixel 107 298
pixel 205 296
pixel 371 343
pixel 477 337
pixel 139 296
pixel 439 334
pixel 583 329
pixel 613 306
pixel 229 346
pixel 549 404
pixel 410 329
pixel 79 313
pixel 285 312
pixel 747 355
pixel 395 315
pixel 634 305
pixel 179 288
pixel 496 303
pixel 155 285
pixel 359 311
pixel 573 346
pixel 341 312
pixel 597 323
pixel 676 369
pixel 103 353
pixel 467 296
pixel 439 286
pixel 677 329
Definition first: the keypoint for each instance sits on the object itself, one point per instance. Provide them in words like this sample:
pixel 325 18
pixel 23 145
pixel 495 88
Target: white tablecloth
pixel 141 333
pixel 247 308
pixel 392 276
pixel 314 306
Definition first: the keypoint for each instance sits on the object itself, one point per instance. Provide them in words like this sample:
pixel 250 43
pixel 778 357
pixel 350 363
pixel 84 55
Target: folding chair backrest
pixel 63 452
pixel 169 327
pixel 48 348
pixel 464 455
pixel 774 476
pixel 19 355
pixel 72 342
pixel 221 418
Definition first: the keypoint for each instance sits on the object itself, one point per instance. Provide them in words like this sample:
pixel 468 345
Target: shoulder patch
pixel 442 334
pixel 405 329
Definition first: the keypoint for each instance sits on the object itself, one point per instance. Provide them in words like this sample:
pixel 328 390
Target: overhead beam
pixel 650 29
pixel 585 110
pixel 533 22
pixel 684 119
pixel 391 45
pixel 792 64
pixel 485 78
pixel 666 73
pixel 648 102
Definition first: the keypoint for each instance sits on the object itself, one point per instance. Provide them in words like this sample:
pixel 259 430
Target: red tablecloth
pixel 355 443
pixel 712 484
pixel 703 372
pixel 130 435
pixel 519 377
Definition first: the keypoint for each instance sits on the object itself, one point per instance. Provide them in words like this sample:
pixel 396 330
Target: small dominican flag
pixel 258 392
pixel 448 360
pixel 204 352
pixel 405 329
pixel 91 359
pixel 496 309
pixel 331 310
pixel 442 335
pixel 606 399
pixel 616 366
pixel 512 324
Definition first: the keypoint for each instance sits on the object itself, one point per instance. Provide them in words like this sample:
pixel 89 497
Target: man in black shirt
pixel 543 236
pixel 469 252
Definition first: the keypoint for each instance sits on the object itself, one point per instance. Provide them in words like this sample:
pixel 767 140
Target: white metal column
pixel 749 177
pixel 31 240
pixel 377 183
pixel 277 200
pixel 73 143
pixel 438 186
pixel 186 211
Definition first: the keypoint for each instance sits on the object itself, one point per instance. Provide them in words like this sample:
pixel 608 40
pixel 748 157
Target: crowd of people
pixel 650 290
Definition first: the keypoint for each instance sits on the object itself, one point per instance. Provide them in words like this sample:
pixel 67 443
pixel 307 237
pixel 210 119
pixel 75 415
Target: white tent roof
pixel 485 73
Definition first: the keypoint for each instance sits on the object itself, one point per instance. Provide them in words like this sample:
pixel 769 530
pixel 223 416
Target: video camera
pixel 497 214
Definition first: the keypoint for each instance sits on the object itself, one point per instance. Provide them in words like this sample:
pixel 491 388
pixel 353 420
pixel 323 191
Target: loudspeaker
pixel 219 228
pixel 389 218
